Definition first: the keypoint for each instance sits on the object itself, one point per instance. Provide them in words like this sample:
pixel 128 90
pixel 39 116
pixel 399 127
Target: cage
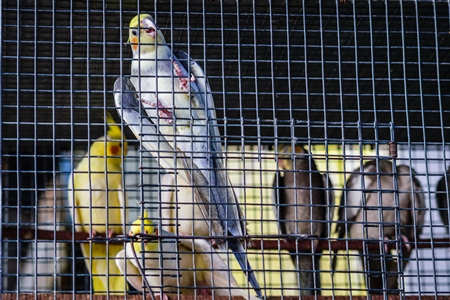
pixel 333 122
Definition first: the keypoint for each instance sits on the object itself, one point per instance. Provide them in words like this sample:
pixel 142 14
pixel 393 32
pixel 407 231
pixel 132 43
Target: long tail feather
pixel 241 257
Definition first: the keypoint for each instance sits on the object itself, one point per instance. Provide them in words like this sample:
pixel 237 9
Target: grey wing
pixel 206 95
pixel 132 112
pixel 417 199
pixel 442 198
pixel 330 199
pixel 351 201
pixel 278 198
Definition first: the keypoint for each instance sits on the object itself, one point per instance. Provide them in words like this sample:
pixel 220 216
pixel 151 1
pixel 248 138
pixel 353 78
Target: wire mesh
pixel 333 120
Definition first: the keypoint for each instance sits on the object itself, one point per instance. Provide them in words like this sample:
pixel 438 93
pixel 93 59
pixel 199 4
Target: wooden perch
pixel 267 242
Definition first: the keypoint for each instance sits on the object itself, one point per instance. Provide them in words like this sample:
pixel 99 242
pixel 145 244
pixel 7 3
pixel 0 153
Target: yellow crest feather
pixel 135 22
pixel 114 131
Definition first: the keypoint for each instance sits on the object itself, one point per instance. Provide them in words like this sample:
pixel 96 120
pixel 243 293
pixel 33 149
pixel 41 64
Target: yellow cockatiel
pixel 96 199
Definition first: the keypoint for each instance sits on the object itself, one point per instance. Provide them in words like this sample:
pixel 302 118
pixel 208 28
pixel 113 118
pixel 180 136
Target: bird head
pixel 145 226
pixel 285 152
pixel 144 34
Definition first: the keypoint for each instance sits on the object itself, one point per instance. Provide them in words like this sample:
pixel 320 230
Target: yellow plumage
pixel 97 204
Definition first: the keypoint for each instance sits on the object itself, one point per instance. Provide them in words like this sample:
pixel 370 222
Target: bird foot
pixel 386 244
pixel 406 241
pixel 162 296
pixel 110 233
pixel 163 111
pixel 93 233
pixel 184 81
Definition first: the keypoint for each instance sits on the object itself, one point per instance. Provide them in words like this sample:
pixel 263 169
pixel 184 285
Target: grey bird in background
pixel 442 198
pixel 304 202
pixel 374 202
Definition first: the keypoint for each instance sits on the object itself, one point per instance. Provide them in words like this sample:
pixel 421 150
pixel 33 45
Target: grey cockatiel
pixel 304 202
pixel 374 202
pixel 442 198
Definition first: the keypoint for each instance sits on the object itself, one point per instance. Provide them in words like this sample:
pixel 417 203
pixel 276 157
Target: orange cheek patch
pixel 114 150
pixel 134 42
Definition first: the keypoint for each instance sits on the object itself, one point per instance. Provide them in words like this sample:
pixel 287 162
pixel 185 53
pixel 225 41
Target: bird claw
pixel 406 242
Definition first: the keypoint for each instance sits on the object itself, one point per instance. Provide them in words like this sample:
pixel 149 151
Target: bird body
pixel 189 267
pixel 442 198
pixel 175 110
pixel 97 203
pixel 179 214
pixel 301 207
pixel 376 201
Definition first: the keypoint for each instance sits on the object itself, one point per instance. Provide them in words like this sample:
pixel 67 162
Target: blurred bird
pixel 375 201
pixel 191 267
pixel 180 216
pixel 48 268
pixel 304 203
pixel 442 198
pixel 97 205
pixel 176 97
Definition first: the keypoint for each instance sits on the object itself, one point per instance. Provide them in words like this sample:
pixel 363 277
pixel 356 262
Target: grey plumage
pixel 376 200
pixel 442 198
pixel 304 202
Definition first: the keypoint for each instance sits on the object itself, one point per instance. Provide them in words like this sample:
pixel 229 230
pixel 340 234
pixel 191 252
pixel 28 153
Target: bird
pixel 96 201
pixel 304 202
pixel 179 214
pixel 187 266
pixel 442 198
pixel 180 106
pixel 376 201
pixel 48 258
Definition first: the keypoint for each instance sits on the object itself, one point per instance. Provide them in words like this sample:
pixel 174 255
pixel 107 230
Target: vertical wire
pixel 34 245
pixel 392 125
pixel 310 157
pixel 241 119
pixel 341 101
pixel 293 137
pixel 377 153
pixel 1 152
pixel 18 146
pixel 57 205
pixel 141 147
pixel 441 121
pixel 124 140
pixel 261 167
pixel 419 66
pixel 213 139
pixel 72 154
pixel 107 139
pixel 405 76
pixel 277 191
pixel 364 254
pixel 242 127
pixel 89 171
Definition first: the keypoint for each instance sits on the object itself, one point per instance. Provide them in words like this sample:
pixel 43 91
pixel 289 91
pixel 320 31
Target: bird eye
pixel 134 32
